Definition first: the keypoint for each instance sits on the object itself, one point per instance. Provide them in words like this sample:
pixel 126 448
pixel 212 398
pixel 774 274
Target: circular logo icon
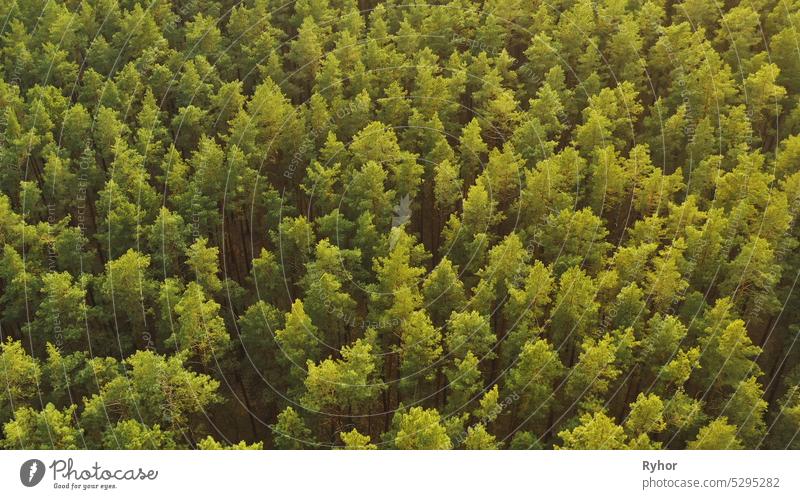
pixel 31 472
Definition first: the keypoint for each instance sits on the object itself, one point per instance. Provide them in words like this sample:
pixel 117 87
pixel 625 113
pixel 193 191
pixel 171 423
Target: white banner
pixel 400 474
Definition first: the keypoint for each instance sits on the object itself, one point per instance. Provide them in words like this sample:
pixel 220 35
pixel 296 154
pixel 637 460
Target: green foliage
pixel 154 390
pixel 451 224
pixel 595 431
pixel 209 443
pixel 49 428
pixel 715 436
pixel 349 384
pixel 290 431
pixel 479 439
pixel 133 435
pixel 353 440
pixel 200 330
pixel 421 429
pixel 19 375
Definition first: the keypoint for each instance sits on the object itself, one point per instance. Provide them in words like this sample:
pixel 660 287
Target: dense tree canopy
pixel 455 224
